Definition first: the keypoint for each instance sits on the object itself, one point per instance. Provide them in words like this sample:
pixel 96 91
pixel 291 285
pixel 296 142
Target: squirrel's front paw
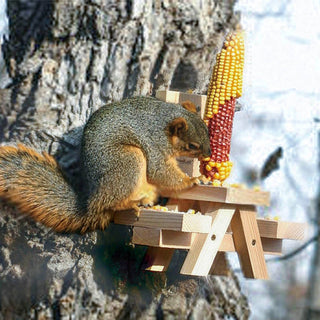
pixel 146 202
pixel 199 180
pixel 136 209
pixel 203 179
pixel 147 198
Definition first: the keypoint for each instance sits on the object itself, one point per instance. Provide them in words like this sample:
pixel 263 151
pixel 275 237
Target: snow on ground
pixel 281 104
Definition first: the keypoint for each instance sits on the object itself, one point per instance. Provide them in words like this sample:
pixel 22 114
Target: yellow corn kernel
pixel 208 168
pixel 212 164
pixel 216 183
pixel 229 65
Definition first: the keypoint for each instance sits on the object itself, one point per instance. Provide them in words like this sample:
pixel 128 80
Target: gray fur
pixel 141 122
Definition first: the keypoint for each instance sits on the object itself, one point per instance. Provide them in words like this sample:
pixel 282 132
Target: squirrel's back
pixel 139 121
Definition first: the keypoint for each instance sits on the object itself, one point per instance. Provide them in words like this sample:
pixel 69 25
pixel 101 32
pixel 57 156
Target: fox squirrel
pixel 127 159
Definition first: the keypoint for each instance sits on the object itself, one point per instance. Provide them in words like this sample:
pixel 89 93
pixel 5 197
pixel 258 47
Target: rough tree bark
pixel 65 60
pixel 312 308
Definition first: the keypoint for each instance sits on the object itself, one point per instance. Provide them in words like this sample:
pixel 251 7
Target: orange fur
pixel 190 106
pixel 28 192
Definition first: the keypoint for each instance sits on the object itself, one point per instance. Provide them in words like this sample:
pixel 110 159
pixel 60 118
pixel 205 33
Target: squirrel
pixel 128 157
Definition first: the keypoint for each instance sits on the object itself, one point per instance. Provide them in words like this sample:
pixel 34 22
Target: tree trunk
pixel 66 59
pixel 312 308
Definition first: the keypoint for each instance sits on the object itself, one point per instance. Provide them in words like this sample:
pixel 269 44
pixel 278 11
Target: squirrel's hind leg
pixel 124 185
pixel 141 192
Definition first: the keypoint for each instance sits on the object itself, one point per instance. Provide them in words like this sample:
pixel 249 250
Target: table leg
pixel 248 244
pixel 206 246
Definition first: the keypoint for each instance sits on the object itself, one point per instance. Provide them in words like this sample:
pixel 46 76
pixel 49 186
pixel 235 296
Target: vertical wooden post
pixel 157 259
pixel 248 244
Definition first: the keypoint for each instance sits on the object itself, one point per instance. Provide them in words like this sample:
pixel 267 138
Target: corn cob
pixel 225 86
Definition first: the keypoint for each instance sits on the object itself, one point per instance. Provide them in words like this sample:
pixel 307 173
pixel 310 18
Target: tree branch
pixel 295 251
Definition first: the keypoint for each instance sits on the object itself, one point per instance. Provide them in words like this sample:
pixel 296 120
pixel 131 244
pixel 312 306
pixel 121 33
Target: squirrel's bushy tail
pixel 36 185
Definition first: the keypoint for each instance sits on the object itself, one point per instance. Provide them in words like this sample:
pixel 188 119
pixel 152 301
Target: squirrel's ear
pixel 190 106
pixel 178 126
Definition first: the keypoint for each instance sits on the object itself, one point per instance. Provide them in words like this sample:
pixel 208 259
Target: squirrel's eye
pixel 193 146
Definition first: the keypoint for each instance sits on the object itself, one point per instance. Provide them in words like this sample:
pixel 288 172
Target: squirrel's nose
pixel 206 151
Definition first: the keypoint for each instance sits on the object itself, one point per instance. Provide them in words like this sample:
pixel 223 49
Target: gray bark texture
pixel 65 60
pixel 312 308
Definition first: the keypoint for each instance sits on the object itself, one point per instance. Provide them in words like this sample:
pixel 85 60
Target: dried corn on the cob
pixel 225 86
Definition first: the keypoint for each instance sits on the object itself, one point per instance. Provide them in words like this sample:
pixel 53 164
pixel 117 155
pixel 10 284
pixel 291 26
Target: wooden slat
pixel 209 208
pixel 165 220
pixel 220 266
pixel 162 238
pixel 282 229
pixel 267 228
pixel 157 259
pixel 227 244
pixel 178 97
pixel 205 246
pixel 182 205
pixel 163 258
pixel 176 239
pixel 248 244
pixel 173 205
pixel 168 96
pixel 148 237
pixel 223 195
pixel 183 240
pixel 160 257
pixel 128 218
pixel 292 230
pixel 198 99
pixel 272 246
pixel 189 166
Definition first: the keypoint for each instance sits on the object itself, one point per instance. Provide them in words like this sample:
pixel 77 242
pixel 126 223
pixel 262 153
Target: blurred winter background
pixel 281 108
